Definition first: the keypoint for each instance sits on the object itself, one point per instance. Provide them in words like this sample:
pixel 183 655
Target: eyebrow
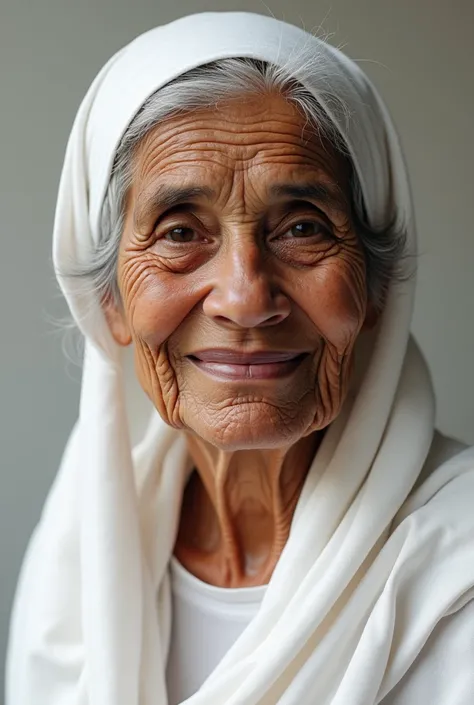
pixel 325 194
pixel 166 196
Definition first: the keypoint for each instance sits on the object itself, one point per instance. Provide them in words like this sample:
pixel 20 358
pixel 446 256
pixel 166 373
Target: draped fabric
pixel 376 557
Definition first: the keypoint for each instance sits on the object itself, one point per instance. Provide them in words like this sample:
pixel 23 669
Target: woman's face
pixel 242 279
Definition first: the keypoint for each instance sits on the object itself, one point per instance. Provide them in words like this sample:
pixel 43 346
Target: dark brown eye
pixel 181 235
pixel 305 229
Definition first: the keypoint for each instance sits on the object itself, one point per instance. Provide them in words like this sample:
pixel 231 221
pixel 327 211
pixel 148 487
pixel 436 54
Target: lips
pixel 236 357
pixel 241 365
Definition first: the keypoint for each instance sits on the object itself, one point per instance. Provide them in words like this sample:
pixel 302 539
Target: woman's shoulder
pixel 434 530
pixel 445 480
pixel 443 671
pixel 442 450
pixel 438 513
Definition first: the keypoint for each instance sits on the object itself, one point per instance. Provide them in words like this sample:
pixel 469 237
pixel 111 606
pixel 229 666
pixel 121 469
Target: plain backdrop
pixel 420 54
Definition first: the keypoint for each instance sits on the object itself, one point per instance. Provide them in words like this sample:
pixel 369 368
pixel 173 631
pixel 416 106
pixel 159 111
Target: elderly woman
pixel 253 507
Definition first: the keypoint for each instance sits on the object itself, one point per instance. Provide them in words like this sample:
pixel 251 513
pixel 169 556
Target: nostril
pixel 222 319
pixel 246 308
pixel 276 318
pixel 250 322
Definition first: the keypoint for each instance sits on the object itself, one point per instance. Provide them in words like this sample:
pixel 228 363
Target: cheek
pixel 156 302
pixel 334 298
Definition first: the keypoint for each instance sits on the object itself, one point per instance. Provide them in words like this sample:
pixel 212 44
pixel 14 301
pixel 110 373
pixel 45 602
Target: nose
pixel 244 294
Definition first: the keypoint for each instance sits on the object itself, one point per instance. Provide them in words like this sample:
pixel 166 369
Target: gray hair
pixel 204 87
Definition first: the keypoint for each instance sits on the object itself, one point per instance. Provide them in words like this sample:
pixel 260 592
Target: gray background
pixel 420 54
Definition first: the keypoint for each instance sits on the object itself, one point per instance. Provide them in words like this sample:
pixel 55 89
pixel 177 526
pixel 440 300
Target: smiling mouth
pixel 233 365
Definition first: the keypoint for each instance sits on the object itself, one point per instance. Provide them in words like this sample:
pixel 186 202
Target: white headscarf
pixel 365 575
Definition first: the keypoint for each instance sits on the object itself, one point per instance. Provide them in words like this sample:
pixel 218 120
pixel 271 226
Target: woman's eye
pixel 181 235
pixel 305 229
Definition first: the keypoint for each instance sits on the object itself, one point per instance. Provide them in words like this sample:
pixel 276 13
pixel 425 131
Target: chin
pixel 265 435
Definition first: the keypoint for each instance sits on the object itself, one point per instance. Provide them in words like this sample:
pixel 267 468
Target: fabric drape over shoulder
pixel 375 558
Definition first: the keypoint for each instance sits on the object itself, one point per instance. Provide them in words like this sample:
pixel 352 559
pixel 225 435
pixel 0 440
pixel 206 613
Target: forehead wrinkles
pixel 228 130
pixel 203 150
pixel 224 147
pixel 215 145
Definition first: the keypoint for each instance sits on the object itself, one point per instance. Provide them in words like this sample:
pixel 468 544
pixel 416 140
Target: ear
pixel 372 316
pixel 117 322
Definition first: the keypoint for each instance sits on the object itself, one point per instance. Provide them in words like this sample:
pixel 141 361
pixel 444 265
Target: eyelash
pixel 185 228
pixel 326 232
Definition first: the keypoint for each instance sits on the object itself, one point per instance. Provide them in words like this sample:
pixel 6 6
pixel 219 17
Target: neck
pixel 237 510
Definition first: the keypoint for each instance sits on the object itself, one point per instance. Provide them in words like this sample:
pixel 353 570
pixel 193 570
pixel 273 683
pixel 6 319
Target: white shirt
pixel 207 620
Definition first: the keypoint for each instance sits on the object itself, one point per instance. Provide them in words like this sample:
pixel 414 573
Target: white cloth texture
pixel 376 556
pixel 207 620
pixel 443 671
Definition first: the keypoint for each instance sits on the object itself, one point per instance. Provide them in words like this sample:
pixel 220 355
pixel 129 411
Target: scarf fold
pixel 370 567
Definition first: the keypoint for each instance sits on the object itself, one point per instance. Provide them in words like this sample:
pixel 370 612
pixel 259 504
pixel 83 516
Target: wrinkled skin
pixel 231 267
